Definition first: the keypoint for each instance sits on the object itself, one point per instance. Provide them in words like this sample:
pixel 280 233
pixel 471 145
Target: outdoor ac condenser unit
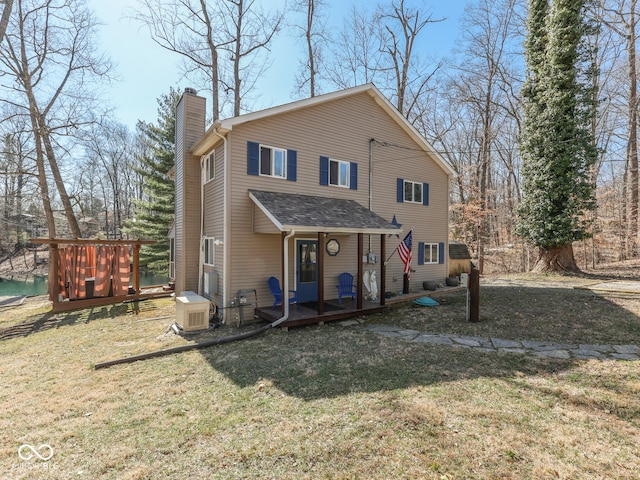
pixel 192 311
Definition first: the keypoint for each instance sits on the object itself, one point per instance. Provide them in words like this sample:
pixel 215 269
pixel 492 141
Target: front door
pixel 307 270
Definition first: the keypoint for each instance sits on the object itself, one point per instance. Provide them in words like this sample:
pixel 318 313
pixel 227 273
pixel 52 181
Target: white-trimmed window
pixel 273 162
pixel 172 258
pixel 339 173
pixel 431 253
pixel 209 251
pixel 412 192
pixel 210 166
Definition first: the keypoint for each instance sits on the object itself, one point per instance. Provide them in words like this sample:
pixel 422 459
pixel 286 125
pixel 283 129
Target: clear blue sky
pixel 146 71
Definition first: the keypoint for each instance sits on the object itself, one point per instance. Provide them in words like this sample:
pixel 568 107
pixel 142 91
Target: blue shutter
pixel 420 253
pixel 324 170
pixel 292 165
pixel 425 194
pixel 253 158
pixel 400 190
pixel 441 253
pixel 353 173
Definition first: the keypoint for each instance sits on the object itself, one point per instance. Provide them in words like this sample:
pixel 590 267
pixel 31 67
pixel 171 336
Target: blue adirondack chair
pixel 345 287
pixel 276 291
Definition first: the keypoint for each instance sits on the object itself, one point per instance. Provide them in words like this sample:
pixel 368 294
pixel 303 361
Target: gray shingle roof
pixel 458 251
pixel 319 214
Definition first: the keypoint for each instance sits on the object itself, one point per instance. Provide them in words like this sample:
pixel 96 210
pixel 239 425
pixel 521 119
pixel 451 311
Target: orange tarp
pixel 108 265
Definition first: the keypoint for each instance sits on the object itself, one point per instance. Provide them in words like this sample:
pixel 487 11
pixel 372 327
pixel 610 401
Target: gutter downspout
pixel 201 254
pixel 226 253
pixel 370 181
pixel 285 280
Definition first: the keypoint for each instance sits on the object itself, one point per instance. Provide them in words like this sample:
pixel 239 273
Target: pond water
pixel 37 285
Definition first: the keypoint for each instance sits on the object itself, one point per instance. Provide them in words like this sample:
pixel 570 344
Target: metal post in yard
pixel 473 296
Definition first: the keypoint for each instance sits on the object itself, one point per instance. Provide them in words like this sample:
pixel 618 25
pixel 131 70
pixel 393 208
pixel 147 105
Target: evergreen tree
pixel 155 212
pixel 557 146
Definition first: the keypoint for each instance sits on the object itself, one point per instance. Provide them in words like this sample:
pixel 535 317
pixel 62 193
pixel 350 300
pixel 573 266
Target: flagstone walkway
pixel 486 344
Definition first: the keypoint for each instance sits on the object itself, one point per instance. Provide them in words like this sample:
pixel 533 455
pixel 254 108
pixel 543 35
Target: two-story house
pixel 304 192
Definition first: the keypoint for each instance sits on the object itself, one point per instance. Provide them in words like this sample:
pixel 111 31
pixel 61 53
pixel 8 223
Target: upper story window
pixel 273 162
pixel 210 167
pixel 413 192
pixel 338 173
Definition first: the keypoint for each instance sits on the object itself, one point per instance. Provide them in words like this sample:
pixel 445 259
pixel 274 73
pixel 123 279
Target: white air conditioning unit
pixel 192 311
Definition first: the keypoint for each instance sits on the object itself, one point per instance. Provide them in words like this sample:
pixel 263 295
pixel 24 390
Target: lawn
pixel 333 401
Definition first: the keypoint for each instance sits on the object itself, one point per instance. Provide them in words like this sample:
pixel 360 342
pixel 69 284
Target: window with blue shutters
pixel 338 173
pixel 429 253
pixel 271 161
pixel 412 192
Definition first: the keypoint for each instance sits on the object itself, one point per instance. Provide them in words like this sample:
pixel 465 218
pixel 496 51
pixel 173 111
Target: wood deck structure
pixel 307 313
pixel 60 304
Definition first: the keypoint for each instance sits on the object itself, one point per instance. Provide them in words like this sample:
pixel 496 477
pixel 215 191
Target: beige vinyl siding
pixel 262 223
pixel 429 222
pixel 190 115
pixel 214 219
pixel 340 130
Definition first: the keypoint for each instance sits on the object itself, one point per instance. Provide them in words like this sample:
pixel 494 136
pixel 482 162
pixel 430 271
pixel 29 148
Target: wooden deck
pixel 307 315
pixel 334 312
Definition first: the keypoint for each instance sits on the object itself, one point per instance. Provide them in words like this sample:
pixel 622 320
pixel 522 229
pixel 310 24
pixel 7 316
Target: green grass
pixel 327 402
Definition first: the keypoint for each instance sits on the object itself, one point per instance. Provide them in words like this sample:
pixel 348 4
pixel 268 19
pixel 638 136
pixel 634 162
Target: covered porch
pixel 321 218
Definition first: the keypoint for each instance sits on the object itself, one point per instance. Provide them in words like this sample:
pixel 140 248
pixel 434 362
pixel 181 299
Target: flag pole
pixel 396 249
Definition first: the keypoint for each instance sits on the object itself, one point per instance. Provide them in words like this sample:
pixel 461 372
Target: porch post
pixel 54 274
pixel 383 269
pixel 320 272
pixel 136 268
pixel 360 270
pixel 285 295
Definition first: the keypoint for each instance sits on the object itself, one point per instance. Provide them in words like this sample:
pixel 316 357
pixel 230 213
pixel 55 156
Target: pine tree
pixel 155 212
pixel 557 146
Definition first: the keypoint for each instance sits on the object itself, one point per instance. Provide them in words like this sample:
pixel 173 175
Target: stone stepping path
pixel 486 344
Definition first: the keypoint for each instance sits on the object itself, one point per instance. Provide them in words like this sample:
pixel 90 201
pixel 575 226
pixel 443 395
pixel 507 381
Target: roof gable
pixel 223 127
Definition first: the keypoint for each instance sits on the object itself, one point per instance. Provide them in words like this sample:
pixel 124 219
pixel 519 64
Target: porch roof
pixel 306 213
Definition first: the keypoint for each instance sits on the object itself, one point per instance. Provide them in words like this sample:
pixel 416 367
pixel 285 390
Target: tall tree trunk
pixel 632 146
pixel 556 259
pixel 236 61
pixel 4 20
pixel 62 190
pixel 312 65
pixel 213 50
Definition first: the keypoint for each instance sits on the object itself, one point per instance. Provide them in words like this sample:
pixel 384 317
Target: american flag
pixel 404 251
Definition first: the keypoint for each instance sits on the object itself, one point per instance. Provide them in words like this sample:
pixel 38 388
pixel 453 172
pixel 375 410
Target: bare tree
pixel 314 35
pixel 190 28
pixel 620 17
pixel 49 54
pixel 401 26
pixel 110 146
pixel 483 82
pixel 250 31
pixel 356 52
pixel 218 42
pixel 4 19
